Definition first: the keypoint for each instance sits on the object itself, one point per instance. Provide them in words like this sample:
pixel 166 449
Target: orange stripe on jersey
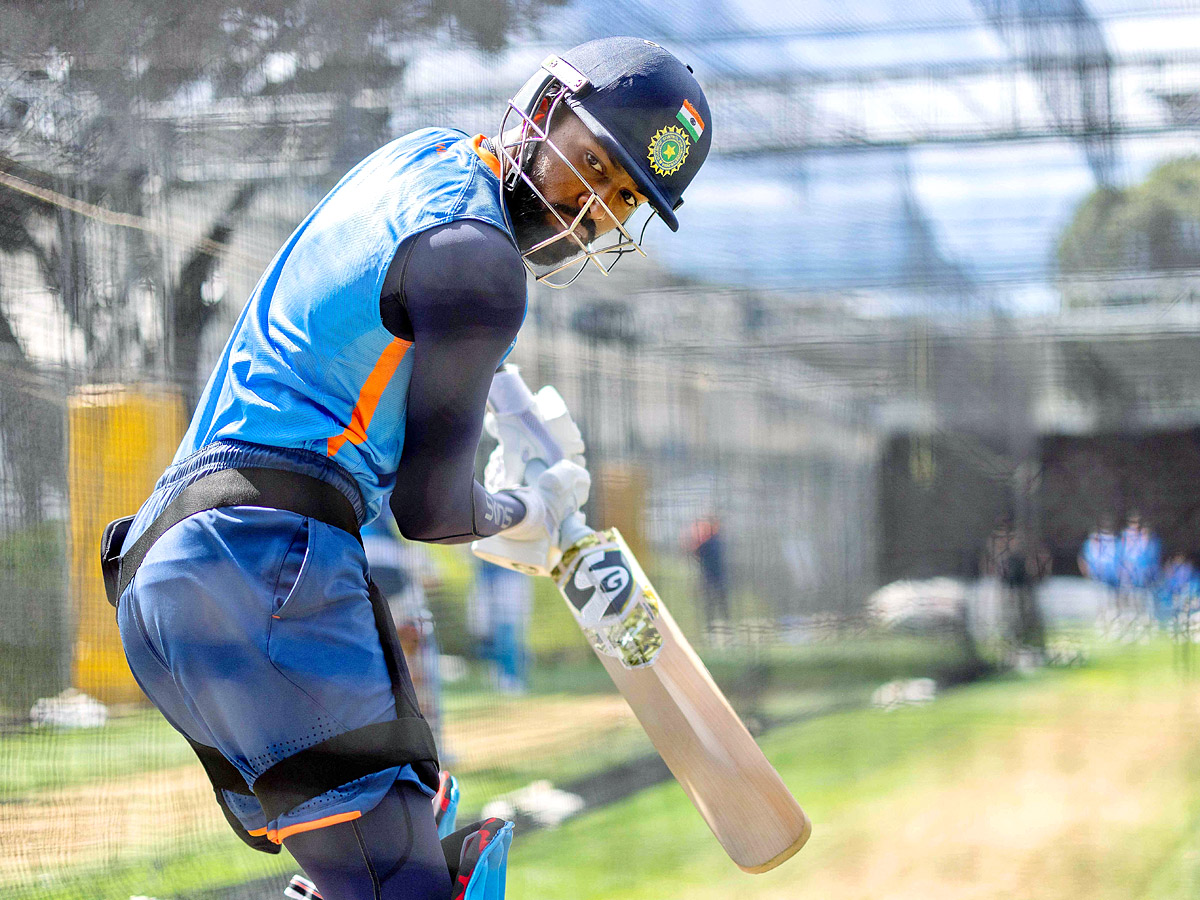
pixel 490 158
pixel 368 397
pixel 276 837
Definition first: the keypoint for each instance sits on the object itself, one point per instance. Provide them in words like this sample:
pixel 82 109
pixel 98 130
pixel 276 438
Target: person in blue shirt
pixel 1139 568
pixel 359 369
pixel 1140 555
pixel 1100 557
pixel 501 601
pixel 1100 560
pixel 707 545
pixel 1178 589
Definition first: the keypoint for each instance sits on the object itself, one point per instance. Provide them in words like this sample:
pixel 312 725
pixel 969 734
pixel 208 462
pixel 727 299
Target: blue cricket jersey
pixel 309 364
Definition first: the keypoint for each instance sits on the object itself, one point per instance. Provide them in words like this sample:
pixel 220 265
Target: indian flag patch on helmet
pixel 668 149
pixel 691 120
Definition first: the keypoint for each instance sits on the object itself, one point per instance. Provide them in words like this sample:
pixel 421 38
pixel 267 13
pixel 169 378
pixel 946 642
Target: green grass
pixel 49 758
pixel 844 766
pixel 215 862
pixel 482 785
pixel 33 608
pixel 778 682
pixel 829 763
pixel 852 771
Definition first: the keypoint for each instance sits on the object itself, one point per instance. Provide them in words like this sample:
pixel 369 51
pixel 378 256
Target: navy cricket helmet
pixel 643 105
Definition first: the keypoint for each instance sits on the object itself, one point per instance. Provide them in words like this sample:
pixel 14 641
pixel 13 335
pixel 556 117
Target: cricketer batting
pixel 359 368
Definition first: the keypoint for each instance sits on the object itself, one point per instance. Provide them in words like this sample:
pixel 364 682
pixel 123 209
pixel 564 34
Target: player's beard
pixel 533 223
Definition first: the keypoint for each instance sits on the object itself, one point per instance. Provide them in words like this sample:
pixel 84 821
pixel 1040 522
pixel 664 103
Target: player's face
pixel 568 194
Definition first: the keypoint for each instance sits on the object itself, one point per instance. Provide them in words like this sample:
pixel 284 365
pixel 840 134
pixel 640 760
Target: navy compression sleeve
pixel 458 293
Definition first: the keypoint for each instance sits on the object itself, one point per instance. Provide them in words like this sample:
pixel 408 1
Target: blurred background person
pixel 1099 557
pixel 1139 567
pixel 706 543
pixel 1019 565
pixel 500 603
pixel 1100 561
pixel 1177 590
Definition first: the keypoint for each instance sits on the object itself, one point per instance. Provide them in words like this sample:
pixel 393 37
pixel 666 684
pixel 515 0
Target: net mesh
pixel 930 328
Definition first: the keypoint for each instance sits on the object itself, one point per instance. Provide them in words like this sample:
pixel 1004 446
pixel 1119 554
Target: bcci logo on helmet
pixel 668 150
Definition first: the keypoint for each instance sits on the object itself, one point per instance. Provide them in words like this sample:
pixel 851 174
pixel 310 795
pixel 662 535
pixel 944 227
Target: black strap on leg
pixel 342 759
pixel 403 691
pixel 427 768
pixel 402 686
pixel 225 777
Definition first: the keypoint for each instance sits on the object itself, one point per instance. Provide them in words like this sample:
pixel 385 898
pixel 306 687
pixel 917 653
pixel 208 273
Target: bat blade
pixel 692 726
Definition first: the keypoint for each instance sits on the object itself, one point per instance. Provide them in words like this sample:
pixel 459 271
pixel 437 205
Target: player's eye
pixel 630 200
pixel 594 163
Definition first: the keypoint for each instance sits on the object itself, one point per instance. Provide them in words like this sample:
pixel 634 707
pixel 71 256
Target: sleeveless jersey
pixel 309 364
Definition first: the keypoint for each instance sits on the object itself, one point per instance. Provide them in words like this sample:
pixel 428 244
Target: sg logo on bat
pixel 600 587
pixel 611 599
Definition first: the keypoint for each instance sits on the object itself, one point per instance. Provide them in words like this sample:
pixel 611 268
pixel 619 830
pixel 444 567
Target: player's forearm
pixel 496 512
pixel 441 523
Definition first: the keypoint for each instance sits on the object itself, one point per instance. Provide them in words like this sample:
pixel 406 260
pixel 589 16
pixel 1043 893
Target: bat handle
pixel 574 529
pixel 509 394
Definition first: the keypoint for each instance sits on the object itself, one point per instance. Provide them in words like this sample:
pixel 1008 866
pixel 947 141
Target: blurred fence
pixel 838 451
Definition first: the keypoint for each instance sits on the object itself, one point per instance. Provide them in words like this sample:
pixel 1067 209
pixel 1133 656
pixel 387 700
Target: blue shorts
pixel 252 631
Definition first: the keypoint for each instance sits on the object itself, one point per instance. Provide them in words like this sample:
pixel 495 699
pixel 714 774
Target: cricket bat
pixel 692 726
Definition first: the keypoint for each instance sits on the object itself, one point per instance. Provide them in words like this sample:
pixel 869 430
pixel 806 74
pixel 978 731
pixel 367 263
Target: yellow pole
pixel 121 437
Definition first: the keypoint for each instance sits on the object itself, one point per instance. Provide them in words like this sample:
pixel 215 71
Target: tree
pixel 1125 246
pixel 77 78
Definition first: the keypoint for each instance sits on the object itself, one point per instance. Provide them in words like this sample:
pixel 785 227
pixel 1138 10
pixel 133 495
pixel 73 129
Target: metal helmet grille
pixel 523 130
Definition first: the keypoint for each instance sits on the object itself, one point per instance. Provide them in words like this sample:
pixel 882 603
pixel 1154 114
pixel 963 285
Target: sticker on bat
pixel 600 586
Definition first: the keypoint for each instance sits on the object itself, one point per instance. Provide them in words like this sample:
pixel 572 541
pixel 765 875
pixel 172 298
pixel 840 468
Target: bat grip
pixel 510 395
pixel 574 527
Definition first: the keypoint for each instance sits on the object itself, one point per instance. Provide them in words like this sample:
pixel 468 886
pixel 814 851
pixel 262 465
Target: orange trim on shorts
pixel 368 397
pixel 277 837
pixel 490 158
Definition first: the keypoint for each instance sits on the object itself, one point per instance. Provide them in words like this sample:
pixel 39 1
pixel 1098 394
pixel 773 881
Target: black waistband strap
pixel 275 488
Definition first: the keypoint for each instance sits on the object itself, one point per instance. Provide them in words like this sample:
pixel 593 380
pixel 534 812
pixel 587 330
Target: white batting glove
pixel 518 444
pixel 558 492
